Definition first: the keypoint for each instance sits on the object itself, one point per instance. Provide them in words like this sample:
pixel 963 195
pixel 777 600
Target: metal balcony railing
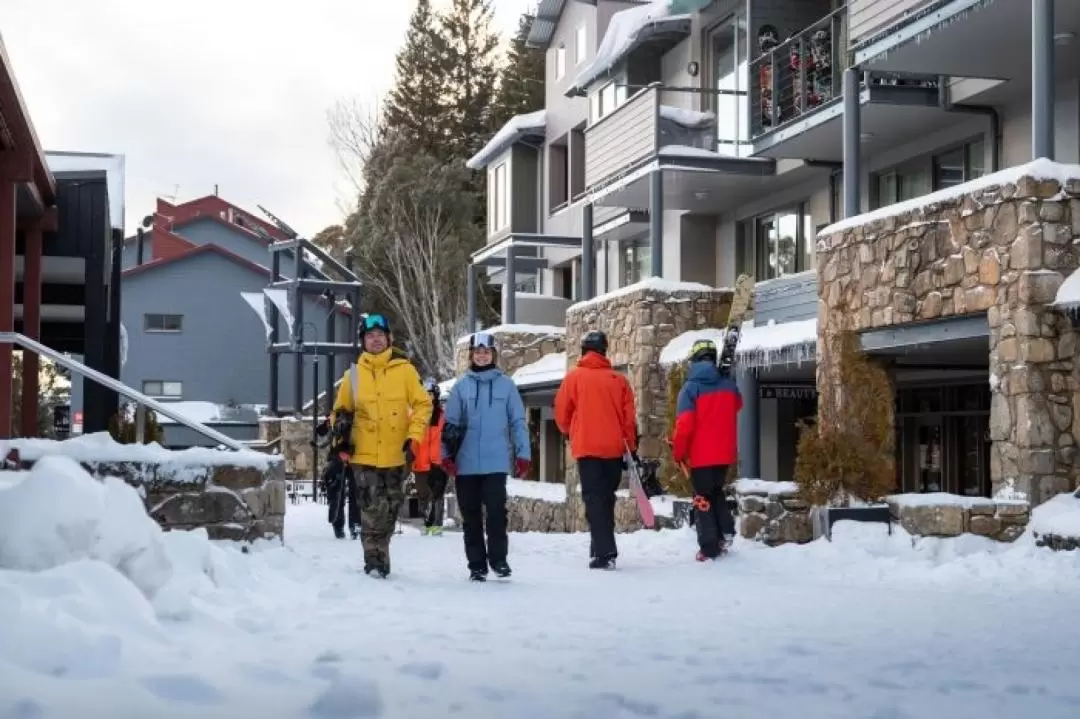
pixel 141 400
pixel 798 75
pixel 655 117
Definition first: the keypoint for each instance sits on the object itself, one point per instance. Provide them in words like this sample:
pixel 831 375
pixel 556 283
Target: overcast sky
pixel 193 93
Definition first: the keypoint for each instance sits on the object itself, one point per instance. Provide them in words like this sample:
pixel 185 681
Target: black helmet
pixel 594 341
pixel 703 350
pixel 373 321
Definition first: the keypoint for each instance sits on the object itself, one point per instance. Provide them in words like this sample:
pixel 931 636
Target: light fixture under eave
pixel 1064 38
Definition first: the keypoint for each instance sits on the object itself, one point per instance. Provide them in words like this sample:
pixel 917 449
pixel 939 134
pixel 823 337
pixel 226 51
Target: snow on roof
pixel 687 118
pixel 626 31
pixel 111 165
pixel 658 284
pixel 775 336
pixel 678 349
pixel 1059 515
pixel 1041 169
pixel 517 329
pixel 516 128
pixel 1068 295
pixel 549 368
pixel 212 413
pixel 101 447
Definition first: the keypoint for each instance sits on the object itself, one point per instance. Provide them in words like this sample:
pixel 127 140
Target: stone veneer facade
pixel 638 324
pixel 516 349
pixel 1001 520
pixel 772 513
pixel 1002 250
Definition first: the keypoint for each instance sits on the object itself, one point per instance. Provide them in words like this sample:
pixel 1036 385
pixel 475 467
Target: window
pixel 499 200
pixel 558 175
pixel 604 101
pixel 529 284
pixel 162 389
pixel 581 47
pixel 731 72
pixel 163 323
pixel 560 62
pixel 636 260
pixel 929 173
pixel 780 243
pixel 564 282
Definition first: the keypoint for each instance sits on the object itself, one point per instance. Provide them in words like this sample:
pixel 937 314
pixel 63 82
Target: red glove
pixel 449 467
pixel 521 468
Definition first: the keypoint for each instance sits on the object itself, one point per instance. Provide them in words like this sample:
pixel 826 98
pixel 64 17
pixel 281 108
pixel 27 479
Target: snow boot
pixel 602 563
pixel 376 571
pixel 477 575
pixel 355 532
pixel 702 557
pixel 501 569
pixel 339 532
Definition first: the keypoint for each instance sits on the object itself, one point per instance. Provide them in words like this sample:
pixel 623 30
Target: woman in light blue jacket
pixel 485 430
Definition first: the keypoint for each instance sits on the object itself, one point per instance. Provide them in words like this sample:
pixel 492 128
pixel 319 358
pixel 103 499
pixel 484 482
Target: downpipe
pixel 986 110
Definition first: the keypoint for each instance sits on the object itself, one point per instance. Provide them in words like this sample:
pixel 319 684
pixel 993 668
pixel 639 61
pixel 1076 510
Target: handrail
pixel 140 399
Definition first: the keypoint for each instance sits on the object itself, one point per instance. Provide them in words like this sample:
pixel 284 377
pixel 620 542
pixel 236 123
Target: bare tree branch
pixel 354 132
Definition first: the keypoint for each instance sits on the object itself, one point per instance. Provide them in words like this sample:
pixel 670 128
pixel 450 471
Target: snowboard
pixel 740 305
pixel 645 509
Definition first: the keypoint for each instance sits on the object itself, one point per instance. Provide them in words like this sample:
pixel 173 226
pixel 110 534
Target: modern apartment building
pixel 691 141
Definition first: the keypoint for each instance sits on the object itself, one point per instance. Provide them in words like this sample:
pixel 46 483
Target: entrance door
pixel 928 458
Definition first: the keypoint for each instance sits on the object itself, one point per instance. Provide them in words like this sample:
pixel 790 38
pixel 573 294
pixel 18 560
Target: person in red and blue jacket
pixel 706 440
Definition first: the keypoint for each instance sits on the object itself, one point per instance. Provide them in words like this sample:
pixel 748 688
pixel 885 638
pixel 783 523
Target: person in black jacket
pixel 337 477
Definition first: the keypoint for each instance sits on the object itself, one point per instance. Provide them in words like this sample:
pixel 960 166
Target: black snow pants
pixel 479 495
pixel 432 487
pixel 712 516
pixel 600 479
pixel 340 495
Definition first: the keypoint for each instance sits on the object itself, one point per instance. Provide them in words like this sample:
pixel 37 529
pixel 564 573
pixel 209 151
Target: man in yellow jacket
pixel 390 411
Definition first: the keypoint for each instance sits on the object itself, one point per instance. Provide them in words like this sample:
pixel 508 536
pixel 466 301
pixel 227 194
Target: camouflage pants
pixel 380 492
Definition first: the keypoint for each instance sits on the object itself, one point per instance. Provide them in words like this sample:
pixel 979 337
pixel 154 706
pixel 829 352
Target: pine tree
pixel 416 107
pixel 470 51
pixel 521 87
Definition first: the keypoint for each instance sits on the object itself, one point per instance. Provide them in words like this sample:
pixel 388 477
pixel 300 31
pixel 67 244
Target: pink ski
pixel 648 517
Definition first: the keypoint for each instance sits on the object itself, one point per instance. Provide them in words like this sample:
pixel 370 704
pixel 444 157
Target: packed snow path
pixel 863 627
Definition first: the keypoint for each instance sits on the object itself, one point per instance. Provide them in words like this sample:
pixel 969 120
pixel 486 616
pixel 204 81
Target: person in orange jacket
pixel 595 407
pixel 431 480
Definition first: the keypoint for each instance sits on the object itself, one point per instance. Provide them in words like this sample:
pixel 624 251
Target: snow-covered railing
pixel 141 400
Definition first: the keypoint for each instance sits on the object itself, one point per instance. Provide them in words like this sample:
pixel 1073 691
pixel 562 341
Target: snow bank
pixel 549 368
pixel 749 485
pixel 1069 292
pixel 516 128
pixel 101 447
pixel 517 329
pixel 626 30
pixel 687 118
pixel 1041 169
pixel 531 489
pixel 657 284
pixel 678 349
pixel 1059 516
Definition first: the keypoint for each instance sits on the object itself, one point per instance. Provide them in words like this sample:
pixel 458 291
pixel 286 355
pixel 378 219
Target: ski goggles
pixel 376 322
pixel 483 339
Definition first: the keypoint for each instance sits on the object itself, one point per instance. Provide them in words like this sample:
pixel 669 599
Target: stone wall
pixel 516 349
pixel 1003 250
pixel 530 514
pixel 772 513
pixel 292 440
pixel 920 516
pixel 639 322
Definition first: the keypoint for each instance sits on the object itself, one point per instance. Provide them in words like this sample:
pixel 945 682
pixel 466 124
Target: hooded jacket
pixel 389 406
pixel 488 407
pixel 429 449
pixel 595 407
pixel 706 418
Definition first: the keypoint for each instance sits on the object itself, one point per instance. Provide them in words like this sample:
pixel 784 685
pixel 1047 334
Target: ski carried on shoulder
pixel 740 306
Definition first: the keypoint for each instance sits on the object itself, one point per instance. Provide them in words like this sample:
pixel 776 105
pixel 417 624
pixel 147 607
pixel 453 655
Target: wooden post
pixel 31 328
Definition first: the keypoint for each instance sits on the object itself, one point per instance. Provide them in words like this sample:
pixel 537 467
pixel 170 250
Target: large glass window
pixel 929 173
pixel 730 71
pixel 781 242
pixel 636 260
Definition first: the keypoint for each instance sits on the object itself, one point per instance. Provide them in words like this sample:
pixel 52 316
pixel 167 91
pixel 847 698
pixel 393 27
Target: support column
pixel 656 222
pixel 31 327
pixel 510 313
pixel 749 426
pixel 1042 79
pixel 7 301
pixel 331 359
pixel 852 134
pixel 588 253
pixel 471 297
pixel 273 317
pixel 296 333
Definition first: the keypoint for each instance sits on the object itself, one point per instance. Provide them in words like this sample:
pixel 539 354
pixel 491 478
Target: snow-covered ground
pixel 866 626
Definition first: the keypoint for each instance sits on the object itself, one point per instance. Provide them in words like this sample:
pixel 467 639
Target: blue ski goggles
pixel 483 339
pixel 376 322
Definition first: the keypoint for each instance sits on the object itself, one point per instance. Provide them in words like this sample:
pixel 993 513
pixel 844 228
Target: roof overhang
pixel 521 128
pixel 545 20
pixel 524 246
pixel 888 117
pixel 933 336
pixel 17 135
pixel 967 38
pixel 661 33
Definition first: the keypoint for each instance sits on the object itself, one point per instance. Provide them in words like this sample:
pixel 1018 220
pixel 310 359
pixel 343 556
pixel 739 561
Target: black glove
pixel 408 450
